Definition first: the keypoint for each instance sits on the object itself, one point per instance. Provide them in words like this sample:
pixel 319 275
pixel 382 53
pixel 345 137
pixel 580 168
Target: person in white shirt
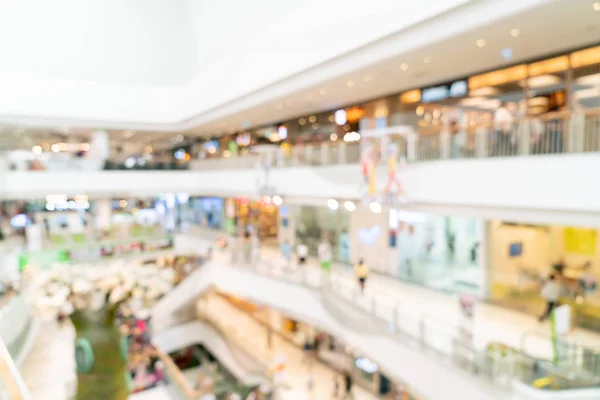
pixel 324 251
pixel 503 121
pixel 302 251
pixel 551 292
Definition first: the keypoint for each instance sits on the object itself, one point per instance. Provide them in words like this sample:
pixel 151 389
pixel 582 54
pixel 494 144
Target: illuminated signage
pixel 442 92
pixel 354 114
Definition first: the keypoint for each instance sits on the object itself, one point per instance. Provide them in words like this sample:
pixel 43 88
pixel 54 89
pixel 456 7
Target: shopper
pixel 361 270
pixel 302 252
pixel 503 121
pixel 551 292
pixel 286 249
pixel 347 385
pixel 324 251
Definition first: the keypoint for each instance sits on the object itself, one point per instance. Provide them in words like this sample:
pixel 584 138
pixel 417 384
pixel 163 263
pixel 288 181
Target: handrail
pixel 442 338
pixel 10 377
pixel 177 376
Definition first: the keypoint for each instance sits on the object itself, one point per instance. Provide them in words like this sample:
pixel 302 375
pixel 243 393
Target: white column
pixel 103 214
pixel 99 146
pixel 3 172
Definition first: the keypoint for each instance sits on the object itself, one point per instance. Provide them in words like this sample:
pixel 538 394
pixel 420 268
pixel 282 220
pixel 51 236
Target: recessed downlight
pixel 480 43
pixel 404 66
pixel 515 32
pixel 350 83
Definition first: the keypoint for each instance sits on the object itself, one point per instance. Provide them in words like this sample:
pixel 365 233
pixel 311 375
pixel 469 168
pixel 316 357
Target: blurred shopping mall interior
pixel 308 199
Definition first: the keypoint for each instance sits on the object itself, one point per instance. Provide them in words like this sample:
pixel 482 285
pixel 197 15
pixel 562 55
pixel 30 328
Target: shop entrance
pixel 522 258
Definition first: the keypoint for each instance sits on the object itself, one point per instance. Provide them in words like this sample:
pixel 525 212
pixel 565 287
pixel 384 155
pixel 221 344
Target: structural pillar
pixel 103 214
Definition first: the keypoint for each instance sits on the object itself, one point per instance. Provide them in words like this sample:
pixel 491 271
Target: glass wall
pixel 208 211
pixel 442 253
pixel 313 224
pixel 523 256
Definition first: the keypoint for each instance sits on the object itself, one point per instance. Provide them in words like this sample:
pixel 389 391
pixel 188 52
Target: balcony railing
pixel 553 133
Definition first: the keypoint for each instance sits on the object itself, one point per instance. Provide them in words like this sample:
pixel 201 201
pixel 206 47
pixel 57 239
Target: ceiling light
pixel 315 126
pixel 427 60
pixel 351 137
pixel 277 200
pixel 37 149
pixel 302 121
pixel 375 207
pixel 323 92
pixel 367 78
pixel 331 118
pixel 420 110
pixel 596 6
pixel 480 43
pixel 349 206
pixel 333 137
pixel 350 83
pixel 515 32
pixel 332 204
pixel 123 203
pixel 312 119
pixel 55 148
pixel 404 66
pixel 85 147
pixel 340 117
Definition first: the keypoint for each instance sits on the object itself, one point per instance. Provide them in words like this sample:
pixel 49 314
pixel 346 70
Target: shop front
pixel 440 252
pixel 314 224
pixel 369 239
pixel 208 211
pixel 259 215
pixel 522 257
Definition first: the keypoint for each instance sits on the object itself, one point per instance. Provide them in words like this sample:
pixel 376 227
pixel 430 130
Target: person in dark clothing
pixel 347 385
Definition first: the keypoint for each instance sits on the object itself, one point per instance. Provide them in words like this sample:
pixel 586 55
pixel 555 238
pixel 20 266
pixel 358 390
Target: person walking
pixel 361 270
pixel 551 292
pixel 286 249
pixel 347 386
pixel 302 251
pixel 325 255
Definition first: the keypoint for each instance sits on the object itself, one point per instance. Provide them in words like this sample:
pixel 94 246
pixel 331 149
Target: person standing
pixel 325 256
pixel 503 121
pixel 347 385
pixel 286 249
pixel 551 292
pixel 302 251
pixel 361 270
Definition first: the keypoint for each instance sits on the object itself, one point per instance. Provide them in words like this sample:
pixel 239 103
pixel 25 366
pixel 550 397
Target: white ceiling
pixel 448 40
pixel 453 57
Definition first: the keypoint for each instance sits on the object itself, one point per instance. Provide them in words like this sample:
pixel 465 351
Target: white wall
pixel 110 41
pixel 254 49
pixel 156 64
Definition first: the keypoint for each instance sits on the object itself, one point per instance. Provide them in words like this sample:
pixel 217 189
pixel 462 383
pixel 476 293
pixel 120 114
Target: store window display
pixel 208 211
pixel 441 252
pixel 316 225
pixel 523 257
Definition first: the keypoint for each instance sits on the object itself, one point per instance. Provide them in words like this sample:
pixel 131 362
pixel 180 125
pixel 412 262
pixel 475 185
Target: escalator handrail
pixel 10 376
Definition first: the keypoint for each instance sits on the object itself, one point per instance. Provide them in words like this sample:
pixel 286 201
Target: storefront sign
pixel 438 93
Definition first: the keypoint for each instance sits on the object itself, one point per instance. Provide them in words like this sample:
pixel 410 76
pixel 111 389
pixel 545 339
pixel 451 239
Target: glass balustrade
pixel 579 367
pixel 553 133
